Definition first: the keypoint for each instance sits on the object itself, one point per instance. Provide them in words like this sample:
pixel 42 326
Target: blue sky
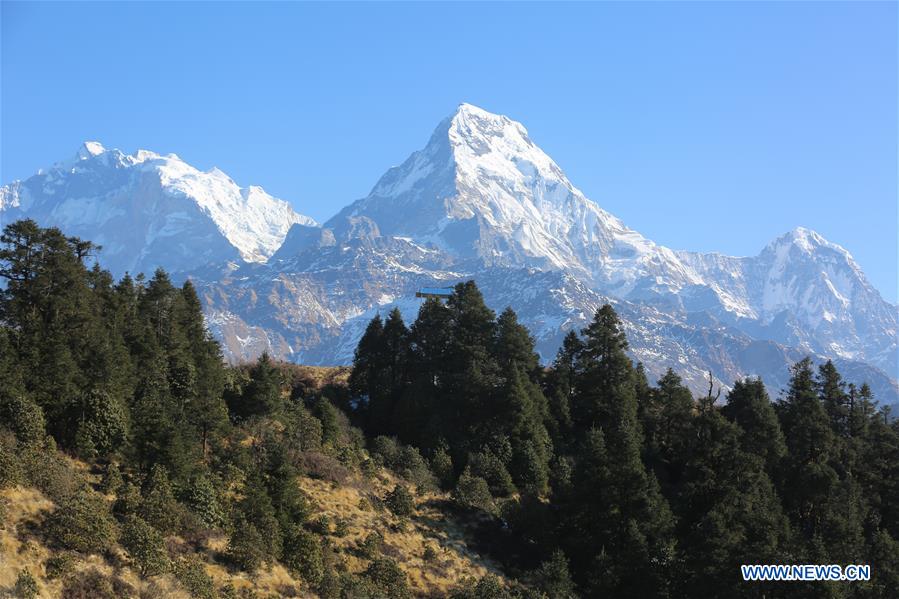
pixel 705 126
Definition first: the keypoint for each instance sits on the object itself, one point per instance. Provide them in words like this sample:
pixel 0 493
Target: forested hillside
pixel 447 462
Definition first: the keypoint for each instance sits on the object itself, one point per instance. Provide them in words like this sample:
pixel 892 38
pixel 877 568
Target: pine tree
pixel 667 426
pixel 262 396
pixel 729 513
pixel 808 476
pixel 632 545
pixel 832 393
pixel 749 407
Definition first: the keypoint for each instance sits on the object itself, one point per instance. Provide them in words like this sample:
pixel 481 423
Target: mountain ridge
pixel 481 200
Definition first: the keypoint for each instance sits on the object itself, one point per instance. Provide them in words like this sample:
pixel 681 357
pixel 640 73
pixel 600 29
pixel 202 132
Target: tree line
pixel 583 477
pixel 612 486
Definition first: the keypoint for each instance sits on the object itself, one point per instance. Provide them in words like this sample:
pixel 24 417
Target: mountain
pixel 480 201
pixel 483 192
pixel 481 189
pixel 149 210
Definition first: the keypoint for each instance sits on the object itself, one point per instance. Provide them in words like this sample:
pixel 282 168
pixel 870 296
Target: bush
pixel 399 501
pixel 488 587
pixel 59 565
pixel 158 506
pixel 25 418
pixel 388 578
pixel 442 467
pixel 488 466
pixel 473 492
pixel 371 546
pixel 554 578
pixel 112 479
pixel 324 467
pixel 103 426
pixel 50 473
pixel 145 545
pixel 26 585
pixel 246 548
pixel 203 500
pixel 341 527
pixel 303 555
pixel 10 469
pixel 82 523
pixel 127 501
pixel 191 573
pixel 90 584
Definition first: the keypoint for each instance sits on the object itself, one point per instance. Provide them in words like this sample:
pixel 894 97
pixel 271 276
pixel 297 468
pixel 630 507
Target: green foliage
pixel 488 587
pixel 247 549
pixel 145 545
pixel 103 424
pixel 191 574
pixel 10 467
pixel 388 579
pixel 26 585
pixel 472 492
pixel 59 565
pixel 158 505
pixel 23 417
pixel 202 498
pixel 487 465
pixel 82 523
pixel 553 577
pixel 442 466
pixel 370 547
pixel 399 501
pixel 302 555
pixel 112 479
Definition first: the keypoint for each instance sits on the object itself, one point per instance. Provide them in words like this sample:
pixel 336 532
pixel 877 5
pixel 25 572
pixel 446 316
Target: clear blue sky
pixel 706 126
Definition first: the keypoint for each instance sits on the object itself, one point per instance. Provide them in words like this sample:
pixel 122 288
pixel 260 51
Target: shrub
pixel 128 501
pixel 473 492
pixel 554 578
pixel 158 506
pixel 10 469
pixel 388 578
pixel 442 467
pixel 25 418
pixel 90 584
pixel 50 473
pixel 59 565
pixel 191 573
pixel 82 523
pixel 488 466
pixel 26 585
pixel 341 527
pixel 488 587
pixel 371 546
pixel 303 555
pixel 399 501
pixel 246 548
pixel 145 545
pixel 430 554
pixel 203 500
pixel 112 479
pixel 324 467
pixel 104 424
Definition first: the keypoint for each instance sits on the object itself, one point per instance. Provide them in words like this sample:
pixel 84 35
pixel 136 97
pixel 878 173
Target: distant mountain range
pixel 479 201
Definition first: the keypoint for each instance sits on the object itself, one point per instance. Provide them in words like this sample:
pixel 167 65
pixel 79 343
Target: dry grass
pixel 357 503
pixel 405 539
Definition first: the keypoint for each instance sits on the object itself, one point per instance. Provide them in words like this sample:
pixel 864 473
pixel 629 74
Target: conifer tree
pixel 749 407
pixel 808 476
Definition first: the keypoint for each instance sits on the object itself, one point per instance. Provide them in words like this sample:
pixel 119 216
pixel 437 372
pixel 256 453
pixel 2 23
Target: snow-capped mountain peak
pixel 148 209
